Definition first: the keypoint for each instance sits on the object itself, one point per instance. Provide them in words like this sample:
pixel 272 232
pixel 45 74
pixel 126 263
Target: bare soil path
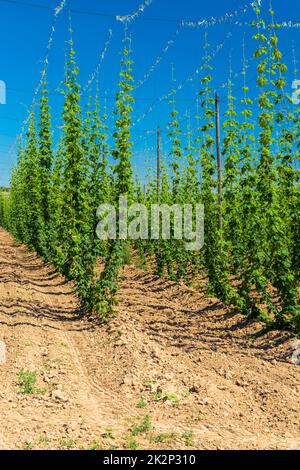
pixel 204 376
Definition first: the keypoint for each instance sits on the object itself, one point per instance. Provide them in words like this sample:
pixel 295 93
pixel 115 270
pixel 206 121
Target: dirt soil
pixel 173 369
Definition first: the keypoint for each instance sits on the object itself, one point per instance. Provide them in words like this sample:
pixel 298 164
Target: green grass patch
pixel 163 438
pixel 142 403
pixel 143 426
pixel 131 443
pixel 166 396
pixel 27 383
pixel 188 438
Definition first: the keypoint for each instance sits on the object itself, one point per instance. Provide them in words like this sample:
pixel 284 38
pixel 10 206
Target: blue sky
pixel 25 29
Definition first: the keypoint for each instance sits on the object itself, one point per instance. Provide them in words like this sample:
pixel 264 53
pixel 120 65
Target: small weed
pixel 43 439
pixel 27 382
pixel 196 417
pixel 148 383
pixel 67 444
pixel 163 438
pixel 131 443
pixel 95 445
pixel 143 426
pixel 142 403
pixel 165 396
pixel 28 446
pixel 108 434
pixel 56 361
pixel 188 438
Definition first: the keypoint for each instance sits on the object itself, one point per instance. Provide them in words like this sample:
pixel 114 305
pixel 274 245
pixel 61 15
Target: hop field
pixel 134 342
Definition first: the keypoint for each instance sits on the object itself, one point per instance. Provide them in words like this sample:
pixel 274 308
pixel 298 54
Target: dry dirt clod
pixel 59 396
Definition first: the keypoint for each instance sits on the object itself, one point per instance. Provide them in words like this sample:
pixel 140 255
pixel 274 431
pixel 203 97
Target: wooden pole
pixel 158 163
pixel 219 162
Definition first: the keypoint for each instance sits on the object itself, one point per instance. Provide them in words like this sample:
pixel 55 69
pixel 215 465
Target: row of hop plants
pixel 251 259
pixel 54 195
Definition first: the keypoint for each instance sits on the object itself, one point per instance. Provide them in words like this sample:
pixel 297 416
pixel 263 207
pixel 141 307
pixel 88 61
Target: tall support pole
pixel 219 162
pixel 158 164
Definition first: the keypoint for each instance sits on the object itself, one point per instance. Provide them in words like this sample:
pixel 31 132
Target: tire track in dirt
pixel 85 374
pixel 109 397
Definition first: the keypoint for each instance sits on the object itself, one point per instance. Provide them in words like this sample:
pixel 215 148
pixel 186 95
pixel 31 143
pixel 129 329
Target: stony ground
pixel 172 370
